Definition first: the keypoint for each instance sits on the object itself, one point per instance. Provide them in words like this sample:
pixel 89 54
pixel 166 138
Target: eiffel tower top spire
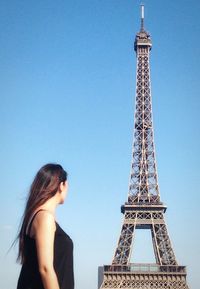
pixel 142 18
pixel 142 37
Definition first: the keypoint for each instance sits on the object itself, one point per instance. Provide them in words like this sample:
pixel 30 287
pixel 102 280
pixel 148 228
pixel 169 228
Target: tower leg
pixel 162 245
pixel 122 253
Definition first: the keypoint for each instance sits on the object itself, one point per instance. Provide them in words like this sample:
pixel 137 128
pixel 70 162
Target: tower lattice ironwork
pixel 143 209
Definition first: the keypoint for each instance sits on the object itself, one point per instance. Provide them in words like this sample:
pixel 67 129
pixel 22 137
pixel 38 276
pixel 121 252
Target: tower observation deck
pixel 143 208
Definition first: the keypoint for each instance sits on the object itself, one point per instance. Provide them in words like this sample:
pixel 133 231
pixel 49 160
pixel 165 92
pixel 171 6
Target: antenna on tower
pixel 142 17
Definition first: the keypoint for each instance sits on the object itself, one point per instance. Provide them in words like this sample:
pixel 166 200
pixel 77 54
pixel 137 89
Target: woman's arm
pixel 44 232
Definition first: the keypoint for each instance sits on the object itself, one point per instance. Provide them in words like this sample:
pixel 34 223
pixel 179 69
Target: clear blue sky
pixel 67 90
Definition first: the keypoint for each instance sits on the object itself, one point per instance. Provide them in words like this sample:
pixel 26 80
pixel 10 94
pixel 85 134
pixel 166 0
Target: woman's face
pixel 63 193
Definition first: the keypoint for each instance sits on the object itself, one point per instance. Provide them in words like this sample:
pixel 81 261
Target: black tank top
pixel 63 262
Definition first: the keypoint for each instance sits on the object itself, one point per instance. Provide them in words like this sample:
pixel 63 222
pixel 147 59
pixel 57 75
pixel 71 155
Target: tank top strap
pixel 28 227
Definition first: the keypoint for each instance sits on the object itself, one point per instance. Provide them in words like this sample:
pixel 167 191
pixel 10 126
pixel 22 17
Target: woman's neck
pixel 50 205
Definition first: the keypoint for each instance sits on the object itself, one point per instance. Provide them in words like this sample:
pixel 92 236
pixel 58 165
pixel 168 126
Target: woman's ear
pixel 63 186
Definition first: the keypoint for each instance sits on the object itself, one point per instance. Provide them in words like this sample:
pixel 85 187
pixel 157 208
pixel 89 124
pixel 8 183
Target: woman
pixel 45 250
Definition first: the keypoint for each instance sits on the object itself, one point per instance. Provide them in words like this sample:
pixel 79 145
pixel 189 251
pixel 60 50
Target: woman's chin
pixel 62 202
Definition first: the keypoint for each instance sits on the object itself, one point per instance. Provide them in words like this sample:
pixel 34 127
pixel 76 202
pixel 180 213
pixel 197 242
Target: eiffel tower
pixel 143 209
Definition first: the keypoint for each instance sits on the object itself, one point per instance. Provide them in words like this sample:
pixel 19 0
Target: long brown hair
pixel 45 185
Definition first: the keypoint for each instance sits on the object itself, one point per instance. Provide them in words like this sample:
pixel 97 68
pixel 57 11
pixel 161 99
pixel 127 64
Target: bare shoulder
pixel 43 221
